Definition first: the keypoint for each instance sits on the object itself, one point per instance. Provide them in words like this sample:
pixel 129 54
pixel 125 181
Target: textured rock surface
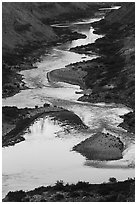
pixel 101 147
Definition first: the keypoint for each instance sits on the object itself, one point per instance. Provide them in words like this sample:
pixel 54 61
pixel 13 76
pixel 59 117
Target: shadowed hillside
pixel 109 78
pixel 26 27
pixel 112 76
pixel 27 22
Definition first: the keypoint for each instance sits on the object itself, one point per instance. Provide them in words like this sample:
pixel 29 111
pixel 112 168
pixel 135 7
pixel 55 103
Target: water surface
pixel 45 156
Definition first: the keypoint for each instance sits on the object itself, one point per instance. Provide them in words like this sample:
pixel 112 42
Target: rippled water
pixel 45 156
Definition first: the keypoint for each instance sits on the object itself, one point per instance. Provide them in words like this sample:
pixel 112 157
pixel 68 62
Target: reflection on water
pixel 86 29
pixel 112 8
pixel 90 38
pixel 45 156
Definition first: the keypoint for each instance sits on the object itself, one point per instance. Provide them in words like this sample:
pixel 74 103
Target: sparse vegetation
pixel 80 192
pixel 114 66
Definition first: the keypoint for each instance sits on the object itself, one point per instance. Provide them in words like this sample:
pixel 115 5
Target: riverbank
pixel 111 77
pixel 25 58
pixel 25 39
pixel 69 75
pixel 81 192
pixel 13 133
pixel 15 121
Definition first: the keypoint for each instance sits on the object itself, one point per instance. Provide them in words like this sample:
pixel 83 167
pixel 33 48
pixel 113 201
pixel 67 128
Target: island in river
pixel 111 79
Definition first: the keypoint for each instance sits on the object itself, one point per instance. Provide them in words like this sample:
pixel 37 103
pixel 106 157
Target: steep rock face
pixel 112 76
pixel 124 15
pixel 26 27
pixel 120 32
pixel 114 79
pixel 22 24
pixel 25 22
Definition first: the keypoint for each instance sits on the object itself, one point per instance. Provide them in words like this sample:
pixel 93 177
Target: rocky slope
pixel 112 76
pixel 15 121
pixel 116 80
pixel 26 23
pixel 26 27
pixel 81 192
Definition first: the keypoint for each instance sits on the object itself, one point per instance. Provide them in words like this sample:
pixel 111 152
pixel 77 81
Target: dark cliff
pixel 24 23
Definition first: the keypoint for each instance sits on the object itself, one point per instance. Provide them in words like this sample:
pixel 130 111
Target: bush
pixel 59 196
pixel 16 196
pixel 59 185
pixel 112 180
pixel 74 194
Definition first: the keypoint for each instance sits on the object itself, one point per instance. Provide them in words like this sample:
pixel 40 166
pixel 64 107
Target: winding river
pixel 45 156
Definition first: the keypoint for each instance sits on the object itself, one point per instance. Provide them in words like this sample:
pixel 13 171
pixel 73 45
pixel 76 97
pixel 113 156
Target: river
pixel 45 156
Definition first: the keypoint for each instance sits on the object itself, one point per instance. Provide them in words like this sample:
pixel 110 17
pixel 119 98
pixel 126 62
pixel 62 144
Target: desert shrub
pixel 59 196
pixel 59 185
pixel 16 196
pixel 111 198
pixel 38 190
pixel 10 112
pixel 107 96
pixel 74 194
pixel 121 198
pixel 112 180
pixel 82 185
pixel 43 200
